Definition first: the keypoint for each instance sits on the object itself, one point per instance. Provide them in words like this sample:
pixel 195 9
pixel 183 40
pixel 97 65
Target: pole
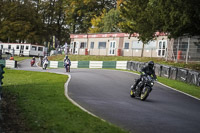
pixel 177 50
pixel 188 49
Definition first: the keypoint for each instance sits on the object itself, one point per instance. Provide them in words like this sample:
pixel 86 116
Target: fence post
pixel 177 51
pixel 188 49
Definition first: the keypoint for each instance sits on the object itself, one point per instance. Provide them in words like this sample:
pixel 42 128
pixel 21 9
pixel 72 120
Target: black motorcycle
pixel 143 88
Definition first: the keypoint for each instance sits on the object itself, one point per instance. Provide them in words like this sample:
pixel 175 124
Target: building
pixel 117 44
pixel 22 49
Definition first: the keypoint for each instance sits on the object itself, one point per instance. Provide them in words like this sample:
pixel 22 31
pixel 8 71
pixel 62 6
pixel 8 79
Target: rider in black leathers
pixel 147 70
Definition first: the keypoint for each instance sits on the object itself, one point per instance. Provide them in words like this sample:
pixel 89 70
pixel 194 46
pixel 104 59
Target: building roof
pixel 22 44
pixel 106 35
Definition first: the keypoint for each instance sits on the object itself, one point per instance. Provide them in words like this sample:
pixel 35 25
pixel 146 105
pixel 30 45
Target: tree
pixel 80 13
pixel 106 22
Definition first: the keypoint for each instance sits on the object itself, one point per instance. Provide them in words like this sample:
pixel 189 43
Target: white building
pixel 117 44
pixel 23 49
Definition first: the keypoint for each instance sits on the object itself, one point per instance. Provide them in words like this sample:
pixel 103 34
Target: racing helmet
pixel 66 57
pixel 151 64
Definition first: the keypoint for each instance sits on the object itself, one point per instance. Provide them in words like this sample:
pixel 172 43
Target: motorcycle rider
pixel 67 62
pixel 147 70
pixel 33 61
pixel 43 61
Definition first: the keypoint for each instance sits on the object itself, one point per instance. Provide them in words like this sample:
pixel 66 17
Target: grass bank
pixel 32 103
pixel 194 66
pixel 19 58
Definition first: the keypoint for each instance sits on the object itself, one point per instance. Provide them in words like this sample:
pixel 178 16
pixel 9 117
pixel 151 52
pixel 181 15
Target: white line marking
pixel 71 100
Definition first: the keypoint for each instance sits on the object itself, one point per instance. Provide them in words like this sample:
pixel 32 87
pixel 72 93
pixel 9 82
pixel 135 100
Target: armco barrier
pixel 139 66
pixel 129 64
pixel 121 64
pixel 198 80
pixel 3 62
pixel 109 64
pixel 96 64
pixel 53 64
pixel 192 77
pixel 60 64
pixel 182 74
pixel 74 64
pixel 158 69
pixel 134 66
pixel 83 64
pixel 173 73
pixel 10 63
pixel 165 72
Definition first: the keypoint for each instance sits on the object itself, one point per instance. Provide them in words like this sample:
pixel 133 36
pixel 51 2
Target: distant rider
pixel 67 62
pixel 45 59
pixel 147 70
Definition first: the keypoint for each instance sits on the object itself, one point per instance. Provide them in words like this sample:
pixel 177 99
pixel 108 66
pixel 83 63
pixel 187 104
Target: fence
pixel 184 49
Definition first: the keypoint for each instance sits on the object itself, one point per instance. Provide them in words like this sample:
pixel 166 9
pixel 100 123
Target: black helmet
pixel 151 64
pixel 66 57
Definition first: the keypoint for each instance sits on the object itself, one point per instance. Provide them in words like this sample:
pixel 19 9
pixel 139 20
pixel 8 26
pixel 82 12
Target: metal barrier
pixel 184 75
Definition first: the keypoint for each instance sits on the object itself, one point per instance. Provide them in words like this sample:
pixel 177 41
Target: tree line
pixel 37 21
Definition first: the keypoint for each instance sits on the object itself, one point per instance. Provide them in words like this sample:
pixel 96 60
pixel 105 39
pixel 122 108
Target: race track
pixel 105 93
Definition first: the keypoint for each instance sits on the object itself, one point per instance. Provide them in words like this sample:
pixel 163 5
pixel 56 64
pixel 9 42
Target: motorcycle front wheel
pixel 132 93
pixel 144 93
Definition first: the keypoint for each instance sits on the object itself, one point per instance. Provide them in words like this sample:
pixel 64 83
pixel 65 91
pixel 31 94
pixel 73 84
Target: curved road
pixel 105 93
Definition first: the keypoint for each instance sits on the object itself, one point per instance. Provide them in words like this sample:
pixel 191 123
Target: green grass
pixel 18 58
pixel 181 86
pixel 43 108
pixel 194 66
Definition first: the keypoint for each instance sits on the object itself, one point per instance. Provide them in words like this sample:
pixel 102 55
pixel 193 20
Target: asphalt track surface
pixel 105 93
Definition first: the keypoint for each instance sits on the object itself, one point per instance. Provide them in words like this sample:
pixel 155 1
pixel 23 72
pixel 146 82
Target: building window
pixel 162 45
pixel 40 48
pixel 33 48
pixel 102 45
pixel 126 45
pixel 9 46
pixel 92 45
pixel 83 45
pixel 137 45
pixel 17 47
pixel 27 47
pixel 1 46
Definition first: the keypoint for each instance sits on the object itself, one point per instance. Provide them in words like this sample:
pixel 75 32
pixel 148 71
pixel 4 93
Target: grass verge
pixel 19 58
pixel 35 102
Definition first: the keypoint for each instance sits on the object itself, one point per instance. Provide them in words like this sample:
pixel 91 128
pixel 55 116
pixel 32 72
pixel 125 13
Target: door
pixel 112 48
pixel 75 47
pixel 162 46
pixel 21 49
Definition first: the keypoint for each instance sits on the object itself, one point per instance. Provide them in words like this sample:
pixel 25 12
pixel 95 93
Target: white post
pixel 177 51
pixel 188 49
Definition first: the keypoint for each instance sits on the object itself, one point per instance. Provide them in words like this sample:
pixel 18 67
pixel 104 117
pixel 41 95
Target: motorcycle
pixel 67 68
pixel 32 62
pixel 45 64
pixel 143 88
